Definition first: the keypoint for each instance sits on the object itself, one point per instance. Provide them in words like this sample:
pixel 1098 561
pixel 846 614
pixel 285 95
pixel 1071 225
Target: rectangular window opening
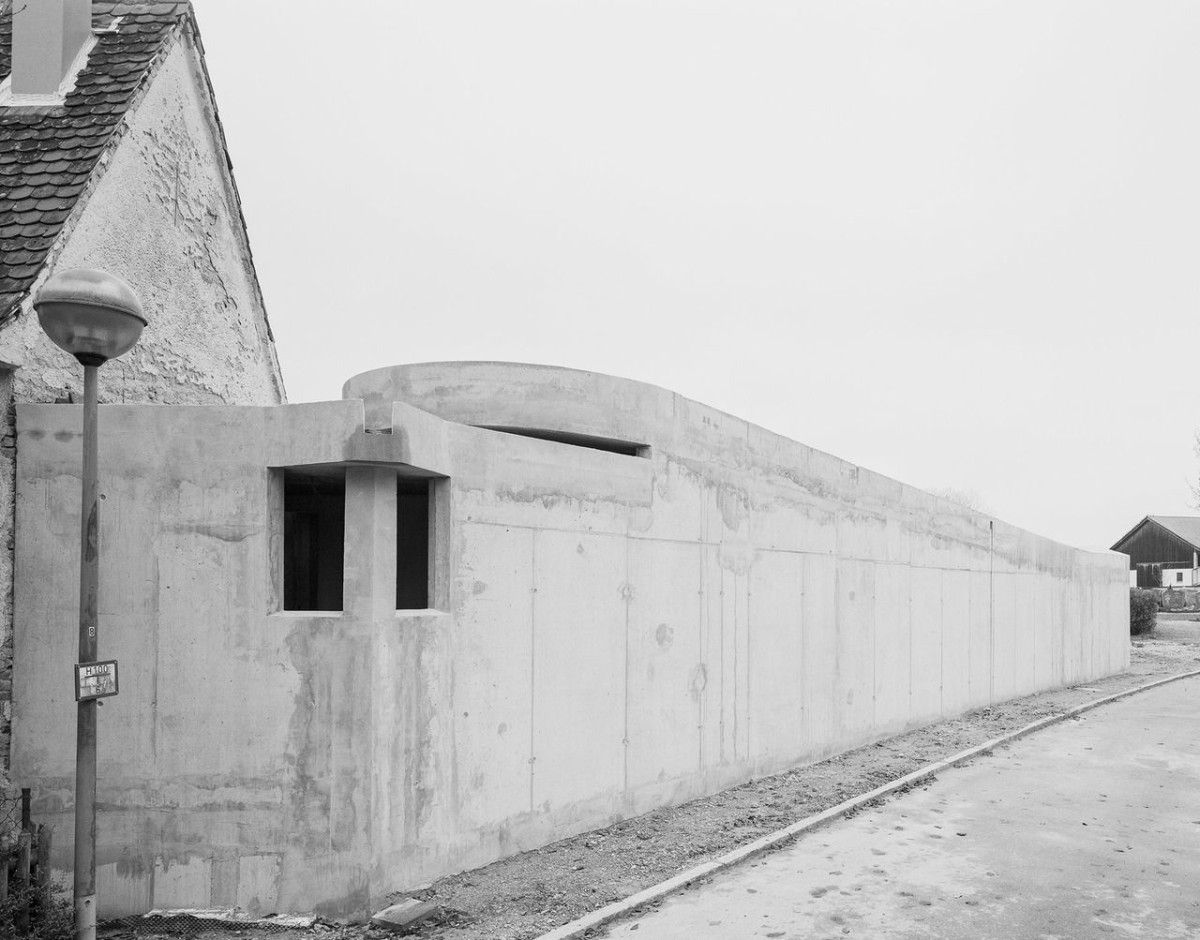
pixel 414 510
pixel 314 532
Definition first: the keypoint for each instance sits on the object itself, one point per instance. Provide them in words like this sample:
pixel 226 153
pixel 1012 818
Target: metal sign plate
pixel 95 680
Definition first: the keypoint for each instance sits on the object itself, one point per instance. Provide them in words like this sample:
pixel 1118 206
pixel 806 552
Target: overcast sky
pixel 955 242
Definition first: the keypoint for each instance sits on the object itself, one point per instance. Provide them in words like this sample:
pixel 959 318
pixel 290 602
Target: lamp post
pixel 95 317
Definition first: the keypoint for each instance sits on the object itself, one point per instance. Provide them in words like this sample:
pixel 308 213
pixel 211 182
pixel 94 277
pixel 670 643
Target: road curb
pixel 616 909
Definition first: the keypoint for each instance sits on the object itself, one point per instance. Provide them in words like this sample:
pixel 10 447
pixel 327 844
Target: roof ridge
pixel 1184 528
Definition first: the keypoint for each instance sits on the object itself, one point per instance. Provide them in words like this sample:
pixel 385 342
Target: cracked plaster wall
pixel 161 213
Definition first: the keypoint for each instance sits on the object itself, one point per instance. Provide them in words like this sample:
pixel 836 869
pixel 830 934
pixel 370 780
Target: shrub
pixel 1143 611
pixel 49 913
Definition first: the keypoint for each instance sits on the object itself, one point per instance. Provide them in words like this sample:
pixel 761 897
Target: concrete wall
pixel 610 633
pixel 162 213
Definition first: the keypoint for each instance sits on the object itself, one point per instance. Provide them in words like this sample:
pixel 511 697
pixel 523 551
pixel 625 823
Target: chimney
pixel 47 37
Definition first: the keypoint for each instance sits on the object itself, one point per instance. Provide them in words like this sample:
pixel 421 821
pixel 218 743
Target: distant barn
pixel 1164 551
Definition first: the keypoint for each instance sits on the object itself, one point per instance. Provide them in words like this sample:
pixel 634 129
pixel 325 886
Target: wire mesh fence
pixel 14 815
pixel 208 923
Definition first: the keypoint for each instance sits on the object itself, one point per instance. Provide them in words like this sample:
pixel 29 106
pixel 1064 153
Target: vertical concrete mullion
pixel 369 566
pixel 368 607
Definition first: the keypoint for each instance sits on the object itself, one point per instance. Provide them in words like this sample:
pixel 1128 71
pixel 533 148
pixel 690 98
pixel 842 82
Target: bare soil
pixel 528 894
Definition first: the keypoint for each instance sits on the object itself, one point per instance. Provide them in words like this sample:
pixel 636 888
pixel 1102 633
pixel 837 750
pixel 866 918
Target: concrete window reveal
pixel 314 527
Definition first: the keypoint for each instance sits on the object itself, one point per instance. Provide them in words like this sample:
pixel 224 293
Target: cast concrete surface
pixel 1090 828
pixel 604 632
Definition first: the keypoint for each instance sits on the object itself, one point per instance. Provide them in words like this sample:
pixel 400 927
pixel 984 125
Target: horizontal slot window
pixel 607 444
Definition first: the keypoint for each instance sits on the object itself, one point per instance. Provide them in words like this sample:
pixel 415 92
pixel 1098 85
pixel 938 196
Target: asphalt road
pixel 1090 828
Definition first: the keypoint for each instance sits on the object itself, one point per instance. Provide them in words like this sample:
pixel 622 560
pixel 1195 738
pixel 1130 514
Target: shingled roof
pixel 47 154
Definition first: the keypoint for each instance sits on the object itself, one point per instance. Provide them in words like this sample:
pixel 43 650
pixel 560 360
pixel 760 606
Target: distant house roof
pixel 1186 528
pixel 48 153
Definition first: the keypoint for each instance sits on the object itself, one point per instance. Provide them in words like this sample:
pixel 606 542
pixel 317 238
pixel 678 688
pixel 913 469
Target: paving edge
pixel 616 909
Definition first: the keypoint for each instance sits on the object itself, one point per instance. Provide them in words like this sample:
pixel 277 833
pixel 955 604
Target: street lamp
pixel 95 317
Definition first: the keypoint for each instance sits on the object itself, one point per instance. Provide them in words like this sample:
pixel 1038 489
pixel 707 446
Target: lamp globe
pixel 93 315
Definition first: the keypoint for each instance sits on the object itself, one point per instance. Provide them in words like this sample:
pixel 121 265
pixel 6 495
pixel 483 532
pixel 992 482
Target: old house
pixel 1164 552
pixel 112 156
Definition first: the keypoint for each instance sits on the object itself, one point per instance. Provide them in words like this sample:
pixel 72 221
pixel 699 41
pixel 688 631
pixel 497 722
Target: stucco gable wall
pixel 164 217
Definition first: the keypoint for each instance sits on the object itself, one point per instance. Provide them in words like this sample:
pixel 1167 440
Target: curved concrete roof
pixel 523 395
